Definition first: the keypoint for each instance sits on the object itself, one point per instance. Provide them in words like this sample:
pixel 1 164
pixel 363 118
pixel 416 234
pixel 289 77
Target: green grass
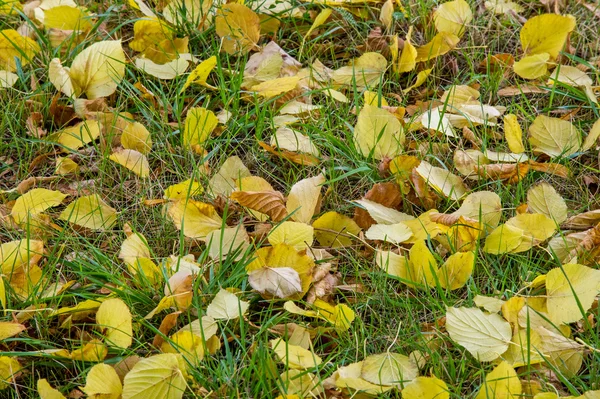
pixel 389 315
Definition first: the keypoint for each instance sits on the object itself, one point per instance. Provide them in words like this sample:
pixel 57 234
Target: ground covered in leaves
pixel 335 199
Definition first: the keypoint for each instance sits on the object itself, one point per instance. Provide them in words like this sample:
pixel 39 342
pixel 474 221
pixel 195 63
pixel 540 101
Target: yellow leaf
pixel 457 269
pixel 19 253
pixel 190 345
pixel 9 329
pixel 332 230
pixel 378 133
pixel 35 202
pixel 422 265
pixel 485 336
pixel 546 33
pixel 199 125
pixel 149 31
pixel 292 140
pixel 503 6
pixel 228 176
pixel 67 18
pixel 2 293
pixel 90 212
pixel 134 246
pixel 292 281
pixel 437 120
pixel 365 71
pixel 195 218
pixel 544 199
pixel 504 239
pixel 238 27
pixel 442 43
pixel 98 69
pixel 386 15
pixel 275 87
pixel 228 240
pixel 393 264
pixel 188 12
pixel 382 214
pixel 293 356
pixel 13 45
pixel 114 317
pixel 66 166
pixel 426 388
pixel 523 349
pixel 492 305
pixel 46 391
pixel 9 367
pixel 571 291
pixel 532 66
pixel 298 235
pixel 501 383
pixel 93 351
pixel 226 306
pixel 304 198
pixel 102 382
pixel 159 376
pixel 484 206
pixel 536 225
pixel 74 137
pixel 408 57
pixel 554 136
pixel 301 383
pixel 136 137
pixel 320 19
pixel 184 190
pixel 452 17
pixel 513 134
pixel 133 160
pixel 200 74
pixel 7 79
pixel 394 233
pixel 442 181
pixel 592 137
pixel 167 71
pixel 388 369
pixel 421 78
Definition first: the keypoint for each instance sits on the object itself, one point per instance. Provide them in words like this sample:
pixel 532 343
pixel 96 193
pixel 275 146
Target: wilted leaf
pixel 485 336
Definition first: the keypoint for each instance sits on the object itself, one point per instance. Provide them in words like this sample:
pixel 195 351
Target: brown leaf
pixel 552 168
pixel 513 172
pixel 496 62
pixel 296 157
pixel 386 194
pixel 34 124
pixel 61 115
pixel 470 136
pixel 423 194
pixel 512 91
pixel 582 221
pixel 270 203
pixel 166 325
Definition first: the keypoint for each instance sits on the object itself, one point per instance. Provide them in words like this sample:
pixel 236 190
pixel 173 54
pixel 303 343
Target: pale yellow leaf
pixel 442 181
pixel 7 79
pixel 501 383
pixel 554 136
pixel 304 197
pixel 388 368
pixel 167 71
pixel 35 202
pixel 485 336
pixel 229 240
pixel 46 391
pixel 532 66
pixel 293 356
pixel 543 198
pixel 226 306
pixel 393 233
